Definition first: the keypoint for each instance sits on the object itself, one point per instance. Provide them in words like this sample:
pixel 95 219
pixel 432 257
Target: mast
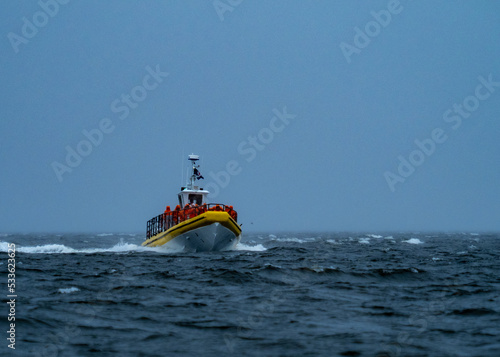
pixel 193 158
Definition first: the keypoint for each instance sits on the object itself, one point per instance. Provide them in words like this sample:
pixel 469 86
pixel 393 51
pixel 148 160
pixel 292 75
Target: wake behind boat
pixel 195 225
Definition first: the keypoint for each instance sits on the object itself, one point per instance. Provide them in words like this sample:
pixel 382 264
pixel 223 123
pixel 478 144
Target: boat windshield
pixel 197 199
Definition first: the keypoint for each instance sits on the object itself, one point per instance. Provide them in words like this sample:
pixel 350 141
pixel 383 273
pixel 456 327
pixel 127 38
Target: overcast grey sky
pixel 307 115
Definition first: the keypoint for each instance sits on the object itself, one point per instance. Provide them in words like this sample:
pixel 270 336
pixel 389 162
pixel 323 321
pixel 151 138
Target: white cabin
pixel 195 195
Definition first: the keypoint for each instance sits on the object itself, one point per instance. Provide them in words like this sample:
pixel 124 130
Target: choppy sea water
pixel 339 294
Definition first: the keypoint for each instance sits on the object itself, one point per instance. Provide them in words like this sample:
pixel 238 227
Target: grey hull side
pixel 214 237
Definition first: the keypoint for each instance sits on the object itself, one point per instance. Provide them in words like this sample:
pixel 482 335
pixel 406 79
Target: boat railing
pixel 168 219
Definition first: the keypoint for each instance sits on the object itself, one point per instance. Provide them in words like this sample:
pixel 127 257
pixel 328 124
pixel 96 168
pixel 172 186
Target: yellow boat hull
pixel 209 231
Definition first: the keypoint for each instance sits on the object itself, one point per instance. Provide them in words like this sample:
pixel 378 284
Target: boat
pixel 195 225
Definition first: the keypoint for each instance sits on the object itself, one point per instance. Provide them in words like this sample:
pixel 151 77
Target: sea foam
pixel 68 290
pixel 253 248
pixel 413 241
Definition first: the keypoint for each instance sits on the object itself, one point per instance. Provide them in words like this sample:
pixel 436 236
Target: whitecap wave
pixel 253 248
pixel 47 249
pixel 364 241
pixel 413 241
pixel 124 247
pixel 68 290
pixel 4 246
pixel 374 235
pixel 295 240
pixel 120 247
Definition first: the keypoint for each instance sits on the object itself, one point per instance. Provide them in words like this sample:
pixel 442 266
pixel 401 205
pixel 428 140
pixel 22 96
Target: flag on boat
pixel 198 174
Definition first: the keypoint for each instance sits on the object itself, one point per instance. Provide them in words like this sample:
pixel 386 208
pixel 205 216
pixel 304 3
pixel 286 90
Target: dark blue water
pixel 278 295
